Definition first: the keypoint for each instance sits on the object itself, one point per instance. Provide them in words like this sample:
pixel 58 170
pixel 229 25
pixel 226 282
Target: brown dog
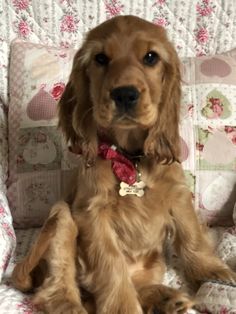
pixel 120 110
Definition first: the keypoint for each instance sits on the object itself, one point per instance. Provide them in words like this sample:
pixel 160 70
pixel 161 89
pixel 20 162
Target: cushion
pixel 40 165
pixel 216 298
pixel 37 157
pixel 208 127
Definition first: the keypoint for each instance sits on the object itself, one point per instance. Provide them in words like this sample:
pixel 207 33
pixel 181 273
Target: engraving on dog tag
pixel 135 189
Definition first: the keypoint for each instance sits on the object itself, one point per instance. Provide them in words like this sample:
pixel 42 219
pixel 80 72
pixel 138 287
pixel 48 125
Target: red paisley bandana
pixel 122 167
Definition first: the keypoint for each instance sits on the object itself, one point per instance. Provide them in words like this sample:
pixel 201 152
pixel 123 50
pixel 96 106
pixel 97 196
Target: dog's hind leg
pixel 23 271
pixel 56 246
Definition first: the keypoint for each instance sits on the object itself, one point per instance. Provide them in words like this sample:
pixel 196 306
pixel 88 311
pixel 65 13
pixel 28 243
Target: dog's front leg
pixel 113 289
pixel 199 261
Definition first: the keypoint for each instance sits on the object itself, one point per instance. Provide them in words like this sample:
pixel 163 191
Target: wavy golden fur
pixel 124 87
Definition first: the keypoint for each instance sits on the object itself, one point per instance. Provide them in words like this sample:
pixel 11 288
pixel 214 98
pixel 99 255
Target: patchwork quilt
pixel 198 28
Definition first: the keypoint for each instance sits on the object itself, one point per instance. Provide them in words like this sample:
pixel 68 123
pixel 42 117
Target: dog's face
pixel 126 59
pixel 125 76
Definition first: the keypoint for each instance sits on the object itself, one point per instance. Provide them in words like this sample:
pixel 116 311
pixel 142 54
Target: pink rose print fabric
pixel 113 8
pixel 57 90
pixel 202 35
pixel 204 8
pixel 21 4
pixel 217 106
pixel 23 28
pixel 69 23
pixel 7 235
pixel 231 133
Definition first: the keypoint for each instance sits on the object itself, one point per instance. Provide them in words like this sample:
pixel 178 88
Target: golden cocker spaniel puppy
pixel 102 250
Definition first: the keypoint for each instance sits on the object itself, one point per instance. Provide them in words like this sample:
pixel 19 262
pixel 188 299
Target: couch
pixel 204 34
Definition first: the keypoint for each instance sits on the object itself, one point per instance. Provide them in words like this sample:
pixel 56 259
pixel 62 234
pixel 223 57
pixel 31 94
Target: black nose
pixel 125 97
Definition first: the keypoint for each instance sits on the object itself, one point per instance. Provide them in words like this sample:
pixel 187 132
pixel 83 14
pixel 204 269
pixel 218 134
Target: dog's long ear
pixel 163 141
pixel 76 111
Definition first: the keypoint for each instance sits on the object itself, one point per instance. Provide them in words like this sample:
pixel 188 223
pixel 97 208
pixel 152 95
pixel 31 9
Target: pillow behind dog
pixel 40 165
pixel 209 108
pixel 38 161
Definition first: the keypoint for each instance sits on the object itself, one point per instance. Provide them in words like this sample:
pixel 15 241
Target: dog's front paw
pixel 177 304
pixel 158 299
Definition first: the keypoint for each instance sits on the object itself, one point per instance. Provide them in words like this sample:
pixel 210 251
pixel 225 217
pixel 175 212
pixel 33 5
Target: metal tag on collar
pixel 135 189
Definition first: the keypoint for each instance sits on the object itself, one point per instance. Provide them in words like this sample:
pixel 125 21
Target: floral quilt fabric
pixel 7 235
pixel 196 27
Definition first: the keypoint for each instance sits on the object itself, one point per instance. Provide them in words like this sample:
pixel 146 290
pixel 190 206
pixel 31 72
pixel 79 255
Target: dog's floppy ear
pixel 163 141
pixel 76 111
pixel 66 107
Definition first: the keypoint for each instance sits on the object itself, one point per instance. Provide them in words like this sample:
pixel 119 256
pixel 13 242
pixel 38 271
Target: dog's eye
pixel 102 59
pixel 151 58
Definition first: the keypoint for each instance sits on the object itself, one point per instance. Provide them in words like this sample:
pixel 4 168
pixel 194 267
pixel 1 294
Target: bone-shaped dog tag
pixel 135 189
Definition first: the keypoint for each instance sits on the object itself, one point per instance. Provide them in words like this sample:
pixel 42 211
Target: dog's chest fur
pixel 139 224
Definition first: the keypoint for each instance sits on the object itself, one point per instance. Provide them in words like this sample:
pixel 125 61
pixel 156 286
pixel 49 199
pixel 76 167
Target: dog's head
pixel 125 76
